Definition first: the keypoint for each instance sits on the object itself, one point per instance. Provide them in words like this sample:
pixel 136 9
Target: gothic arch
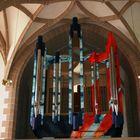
pixel 25 54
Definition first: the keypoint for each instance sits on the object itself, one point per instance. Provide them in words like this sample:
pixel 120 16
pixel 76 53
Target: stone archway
pixel 23 60
pixel 23 129
pixel 131 89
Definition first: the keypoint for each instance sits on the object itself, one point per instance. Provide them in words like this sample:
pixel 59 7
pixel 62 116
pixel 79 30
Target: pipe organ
pixel 62 95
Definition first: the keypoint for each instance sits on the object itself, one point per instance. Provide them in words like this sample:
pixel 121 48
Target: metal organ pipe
pixel 40 48
pixel 114 96
pixel 95 89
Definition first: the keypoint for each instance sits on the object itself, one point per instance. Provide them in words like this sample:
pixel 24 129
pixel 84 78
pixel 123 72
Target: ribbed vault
pixel 23 20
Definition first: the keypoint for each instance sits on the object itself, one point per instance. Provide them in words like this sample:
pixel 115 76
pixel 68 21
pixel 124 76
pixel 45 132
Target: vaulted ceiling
pixel 22 20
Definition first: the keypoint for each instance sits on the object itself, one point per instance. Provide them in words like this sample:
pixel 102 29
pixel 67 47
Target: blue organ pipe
pixel 59 88
pixel 54 79
pixel 40 49
pixel 70 81
pixel 81 79
pixel 32 115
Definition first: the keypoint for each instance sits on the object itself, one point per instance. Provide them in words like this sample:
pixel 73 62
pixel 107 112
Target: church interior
pixel 70 69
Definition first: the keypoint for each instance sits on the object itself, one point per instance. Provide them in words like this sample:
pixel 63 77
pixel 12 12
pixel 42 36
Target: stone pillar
pixel 9 112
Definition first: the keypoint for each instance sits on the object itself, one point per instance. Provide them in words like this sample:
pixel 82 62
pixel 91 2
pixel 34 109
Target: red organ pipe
pixel 98 58
pixel 107 122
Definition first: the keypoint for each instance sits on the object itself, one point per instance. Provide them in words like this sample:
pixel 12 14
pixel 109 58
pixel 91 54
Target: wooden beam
pixel 108 18
pixel 49 24
pixel 125 7
pixel 125 24
pixel 88 13
pixel 29 24
pixel 2 40
pixel 43 20
pixel 3 55
pixel 6 31
pixel 3 47
pixel 7 3
pixel 94 17
pixel 24 10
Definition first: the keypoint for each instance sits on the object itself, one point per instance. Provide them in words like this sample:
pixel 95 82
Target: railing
pixel 89 131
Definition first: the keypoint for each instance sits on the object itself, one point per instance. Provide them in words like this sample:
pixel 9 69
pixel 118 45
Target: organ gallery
pixel 69 69
pixel 78 91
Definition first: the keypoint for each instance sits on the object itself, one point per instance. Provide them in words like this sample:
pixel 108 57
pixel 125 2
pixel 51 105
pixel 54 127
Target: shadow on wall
pixel 23 129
